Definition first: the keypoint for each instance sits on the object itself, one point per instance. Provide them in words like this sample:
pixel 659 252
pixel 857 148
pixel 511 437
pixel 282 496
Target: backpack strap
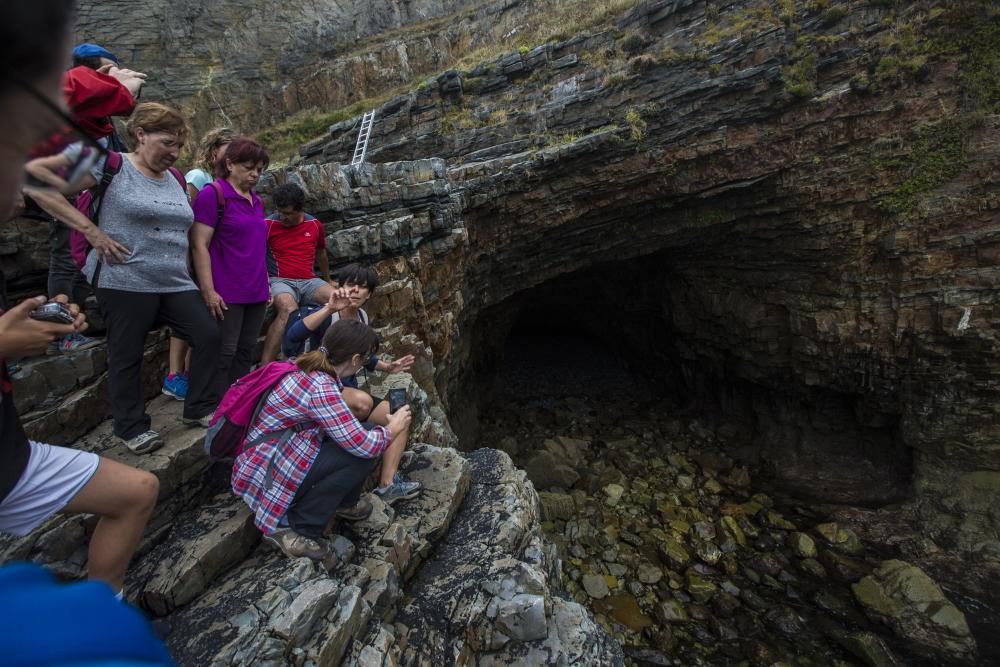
pixel 112 165
pixel 220 200
pixel 180 178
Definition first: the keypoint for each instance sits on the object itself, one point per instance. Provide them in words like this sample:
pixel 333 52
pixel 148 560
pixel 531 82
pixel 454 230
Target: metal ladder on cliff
pixel 361 149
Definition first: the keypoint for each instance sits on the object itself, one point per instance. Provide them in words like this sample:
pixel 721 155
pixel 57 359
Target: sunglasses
pixel 73 176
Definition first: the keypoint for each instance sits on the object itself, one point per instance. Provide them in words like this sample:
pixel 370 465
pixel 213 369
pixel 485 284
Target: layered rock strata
pixel 248 65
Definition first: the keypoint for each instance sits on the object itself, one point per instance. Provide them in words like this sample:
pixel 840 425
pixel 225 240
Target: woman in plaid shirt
pixel 294 488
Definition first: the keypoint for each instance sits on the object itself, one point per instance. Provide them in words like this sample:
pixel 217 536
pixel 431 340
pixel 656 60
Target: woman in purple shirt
pixel 230 254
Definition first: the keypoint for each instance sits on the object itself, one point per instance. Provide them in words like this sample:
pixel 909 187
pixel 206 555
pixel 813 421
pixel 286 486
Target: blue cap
pixel 93 51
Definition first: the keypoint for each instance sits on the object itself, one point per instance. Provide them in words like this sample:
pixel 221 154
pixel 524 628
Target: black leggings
pixel 239 331
pixel 334 480
pixel 129 317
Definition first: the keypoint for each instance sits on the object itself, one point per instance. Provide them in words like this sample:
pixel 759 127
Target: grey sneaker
pixel 400 489
pixel 200 421
pixel 72 343
pixel 144 443
pixel 294 545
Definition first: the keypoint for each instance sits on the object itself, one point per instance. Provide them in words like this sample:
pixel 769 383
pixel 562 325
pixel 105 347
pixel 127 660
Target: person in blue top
pixel 80 624
pixel 306 327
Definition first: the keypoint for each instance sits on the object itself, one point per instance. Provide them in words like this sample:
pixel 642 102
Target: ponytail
pixel 342 340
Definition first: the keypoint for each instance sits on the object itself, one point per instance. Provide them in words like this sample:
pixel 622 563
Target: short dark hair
pixel 92 62
pixel 241 150
pixel 356 274
pixel 29 32
pixel 289 195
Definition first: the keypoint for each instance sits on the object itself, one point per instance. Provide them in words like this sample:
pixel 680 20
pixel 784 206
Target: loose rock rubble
pixel 662 535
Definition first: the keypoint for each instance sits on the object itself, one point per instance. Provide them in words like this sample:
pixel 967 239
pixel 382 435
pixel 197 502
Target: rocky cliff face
pixel 249 65
pixel 815 195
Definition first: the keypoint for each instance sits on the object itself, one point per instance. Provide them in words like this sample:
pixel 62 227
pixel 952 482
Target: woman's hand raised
pixel 401 365
pixel 339 299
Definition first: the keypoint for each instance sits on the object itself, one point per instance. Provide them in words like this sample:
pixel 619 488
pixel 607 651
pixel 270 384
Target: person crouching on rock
pixel 295 485
pixel 307 326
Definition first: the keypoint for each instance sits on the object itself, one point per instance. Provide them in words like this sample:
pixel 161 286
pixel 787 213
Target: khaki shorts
pixel 301 290
pixel 53 478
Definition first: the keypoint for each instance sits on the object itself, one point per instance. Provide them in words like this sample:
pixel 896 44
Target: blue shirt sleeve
pixel 297 333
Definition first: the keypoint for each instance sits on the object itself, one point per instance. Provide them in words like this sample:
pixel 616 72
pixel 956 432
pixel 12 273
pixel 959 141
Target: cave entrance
pixel 656 452
pixel 621 337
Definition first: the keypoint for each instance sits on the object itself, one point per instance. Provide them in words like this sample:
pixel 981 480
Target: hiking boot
pixel 176 385
pixel 72 343
pixel 144 443
pixel 294 545
pixel 360 511
pixel 400 489
pixel 199 421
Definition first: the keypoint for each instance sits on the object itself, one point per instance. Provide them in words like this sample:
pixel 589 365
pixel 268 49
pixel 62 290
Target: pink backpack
pixel 89 202
pixel 239 409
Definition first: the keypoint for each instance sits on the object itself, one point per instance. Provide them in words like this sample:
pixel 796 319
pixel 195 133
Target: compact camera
pixel 53 311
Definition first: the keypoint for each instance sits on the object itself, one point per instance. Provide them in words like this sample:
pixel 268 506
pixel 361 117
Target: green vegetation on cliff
pixel 938 156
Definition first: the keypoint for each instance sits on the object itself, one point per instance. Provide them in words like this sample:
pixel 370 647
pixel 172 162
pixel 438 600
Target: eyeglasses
pixel 91 152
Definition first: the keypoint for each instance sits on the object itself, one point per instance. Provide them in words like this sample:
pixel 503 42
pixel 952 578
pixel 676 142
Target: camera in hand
pixel 53 311
pixel 396 398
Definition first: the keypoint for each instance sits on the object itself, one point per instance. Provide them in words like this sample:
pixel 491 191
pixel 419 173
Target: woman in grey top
pixel 145 209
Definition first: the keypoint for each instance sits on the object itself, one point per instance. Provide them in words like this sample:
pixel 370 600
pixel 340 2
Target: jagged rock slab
pixel 405 533
pixel 236 606
pixel 202 544
pixel 485 593
pixel 907 600
pixel 268 608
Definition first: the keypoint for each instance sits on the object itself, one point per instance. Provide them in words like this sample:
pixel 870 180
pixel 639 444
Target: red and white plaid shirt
pixel 267 477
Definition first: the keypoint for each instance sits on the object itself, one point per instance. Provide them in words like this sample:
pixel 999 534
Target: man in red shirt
pixel 295 241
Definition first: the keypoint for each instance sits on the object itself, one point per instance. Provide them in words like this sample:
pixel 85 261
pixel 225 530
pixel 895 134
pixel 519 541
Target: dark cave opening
pixel 623 330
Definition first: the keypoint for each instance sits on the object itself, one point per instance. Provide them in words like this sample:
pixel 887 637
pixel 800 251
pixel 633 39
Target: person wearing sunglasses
pixel 146 209
pixel 39 480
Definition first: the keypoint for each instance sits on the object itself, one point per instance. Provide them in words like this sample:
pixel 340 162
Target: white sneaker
pixel 144 443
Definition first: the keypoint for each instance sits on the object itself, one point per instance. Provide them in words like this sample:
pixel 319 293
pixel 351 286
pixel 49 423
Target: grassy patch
pixel 937 157
pixel 799 76
pixel 744 24
pixel 636 123
pixel 283 140
pixel 979 71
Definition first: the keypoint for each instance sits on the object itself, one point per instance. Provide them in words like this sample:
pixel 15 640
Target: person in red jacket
pixel 95 89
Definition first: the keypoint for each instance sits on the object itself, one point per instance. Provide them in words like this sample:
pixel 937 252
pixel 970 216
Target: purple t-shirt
pixel 239 245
